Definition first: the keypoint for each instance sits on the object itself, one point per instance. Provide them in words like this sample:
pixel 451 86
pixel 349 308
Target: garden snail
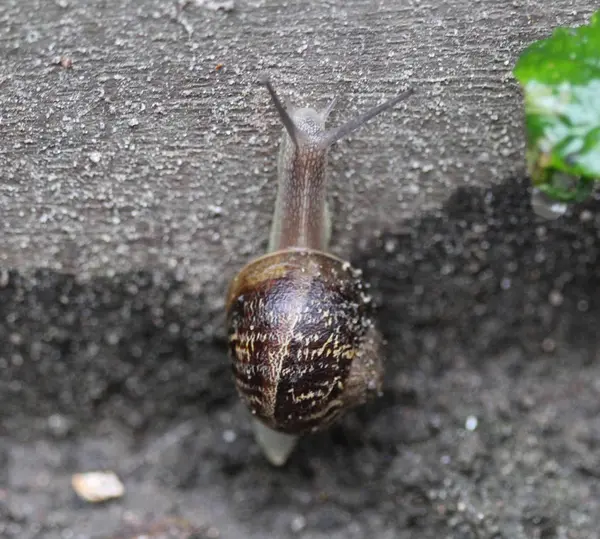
pixel 301 334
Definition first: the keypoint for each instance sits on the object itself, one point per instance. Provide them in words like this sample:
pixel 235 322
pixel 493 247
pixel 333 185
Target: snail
pixel 301 334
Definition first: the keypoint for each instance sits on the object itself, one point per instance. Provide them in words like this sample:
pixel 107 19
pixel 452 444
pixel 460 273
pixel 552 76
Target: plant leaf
pixel 560 77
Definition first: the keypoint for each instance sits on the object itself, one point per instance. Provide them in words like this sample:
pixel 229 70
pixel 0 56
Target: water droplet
pixel 548 345
pixel 471 423
pixel 229 436
pixel 583 305
pixel 545 207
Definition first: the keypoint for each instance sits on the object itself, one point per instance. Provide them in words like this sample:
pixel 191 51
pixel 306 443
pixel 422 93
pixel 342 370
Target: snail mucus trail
pixel 302 339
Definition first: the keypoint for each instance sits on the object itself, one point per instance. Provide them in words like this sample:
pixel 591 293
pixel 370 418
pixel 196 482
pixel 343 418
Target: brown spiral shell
pixel 302 339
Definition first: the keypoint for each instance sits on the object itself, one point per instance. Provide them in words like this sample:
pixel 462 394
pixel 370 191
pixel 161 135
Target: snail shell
pixel 303 340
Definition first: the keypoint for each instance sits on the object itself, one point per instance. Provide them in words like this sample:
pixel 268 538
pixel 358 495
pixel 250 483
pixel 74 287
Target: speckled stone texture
pixel 137 178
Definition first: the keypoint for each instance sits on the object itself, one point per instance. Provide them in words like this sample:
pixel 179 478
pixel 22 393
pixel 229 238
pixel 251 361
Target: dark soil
pixel 489 426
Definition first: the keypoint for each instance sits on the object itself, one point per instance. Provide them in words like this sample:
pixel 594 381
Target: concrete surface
pixel 137 177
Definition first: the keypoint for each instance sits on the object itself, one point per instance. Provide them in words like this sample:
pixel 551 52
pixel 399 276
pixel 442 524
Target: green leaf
pixel 560 77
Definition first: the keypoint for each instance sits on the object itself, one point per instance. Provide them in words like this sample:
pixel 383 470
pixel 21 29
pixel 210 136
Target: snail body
pixel 302 337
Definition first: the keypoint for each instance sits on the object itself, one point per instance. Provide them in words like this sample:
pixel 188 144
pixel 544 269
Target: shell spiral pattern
pixel 302 339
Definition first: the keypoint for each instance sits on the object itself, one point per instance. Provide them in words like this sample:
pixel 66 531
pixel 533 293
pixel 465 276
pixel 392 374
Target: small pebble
pixel 555 298
pixel 59 425
pixel 298 524
pixel 97 487
pixel 215 210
